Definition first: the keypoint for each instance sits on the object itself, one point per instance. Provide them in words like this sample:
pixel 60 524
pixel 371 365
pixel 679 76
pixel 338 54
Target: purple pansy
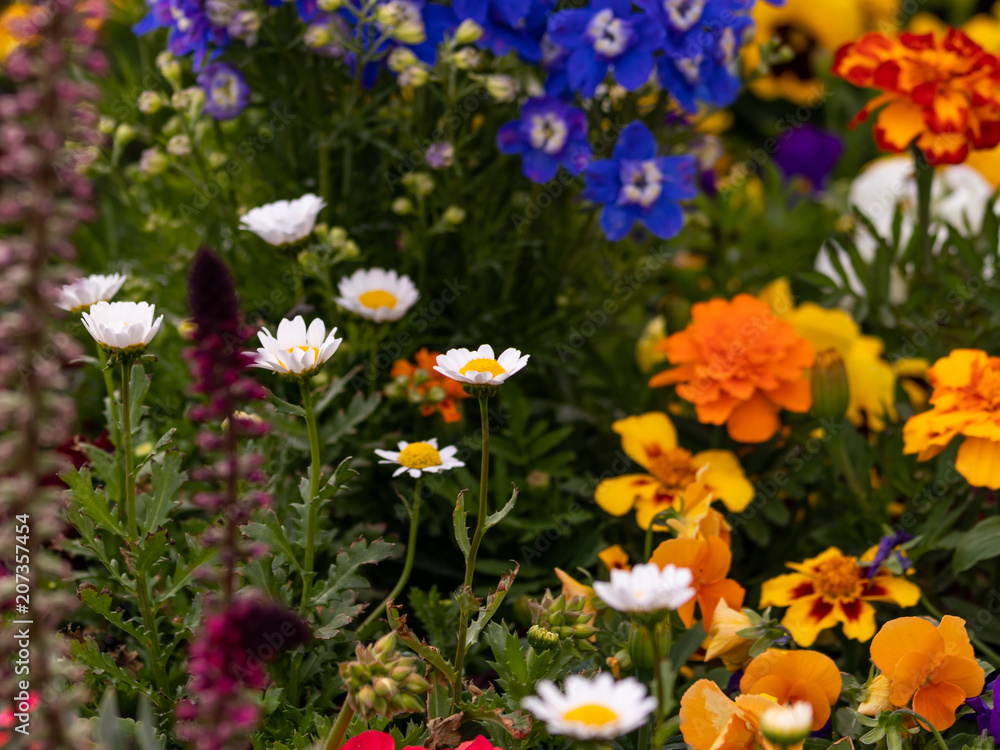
pixel 549 133
pixel 226 90
pixel 807 151
pixel 987 717
pixel 637 185
pixel 606 36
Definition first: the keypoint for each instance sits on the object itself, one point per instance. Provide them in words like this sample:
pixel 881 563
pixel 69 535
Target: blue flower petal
pixel 509 139
pixel 539 166
pixel 568 27
pixel 616 221
pixel 633 68
pixel 603 183
pixel 635 142
pixel 664 218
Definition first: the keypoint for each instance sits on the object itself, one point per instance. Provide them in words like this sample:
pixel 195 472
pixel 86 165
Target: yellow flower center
pixel 484 365
pixel 303 348
pixel 419 456
pixel 591 714
pixel 837 576
pixel 377 298
pixel 673 468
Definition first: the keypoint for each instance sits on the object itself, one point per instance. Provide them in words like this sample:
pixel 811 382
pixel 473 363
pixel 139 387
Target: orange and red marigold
pixel 739 364
pixel 942 93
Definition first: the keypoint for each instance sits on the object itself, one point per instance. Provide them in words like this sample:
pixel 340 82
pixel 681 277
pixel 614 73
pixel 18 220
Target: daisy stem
pixel 339 728
pixel 989 653
pixel 314 477
pixel 109 384
pixel 658 667
pixel 648 546
pixel 925 182
pixel 133 529
pixel 411 548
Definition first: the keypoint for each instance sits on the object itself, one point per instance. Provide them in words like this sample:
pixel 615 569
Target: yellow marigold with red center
pixel 677 479
pixel 965 401
pixel 833 587
pixel 709 561
pixel 739 364
pixel 430 379
pixel 790 676
pixel 711 721
pixel 942 93
pixel 935 667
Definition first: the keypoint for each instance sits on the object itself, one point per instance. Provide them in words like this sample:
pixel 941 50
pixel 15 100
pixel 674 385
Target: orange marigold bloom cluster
pixel 435 392
pixel 739 364
pixel 965 401
pixel 943 93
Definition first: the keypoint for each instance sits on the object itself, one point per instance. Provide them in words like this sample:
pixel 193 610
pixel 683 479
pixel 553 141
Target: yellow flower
pixel 872 380
pixel 614 558
pixel 724 641
pixel 11 36
pixel 677 479
pixel 647 355
pixel 877 698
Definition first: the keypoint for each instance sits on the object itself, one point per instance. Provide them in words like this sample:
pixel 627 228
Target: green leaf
pixel 493 602
pixel 283 407
pixel 100 602
pixel 687 643
pixel 167 479
pixel 982 542
pixel 93 502
pixel 100 663
pixel 343 574
pixel 339 614
pixel 428 653
pixel 461 529
pixel 494 518
pixel 162 443
pixel 151 550
pixel 196 557
pixel 138 388
pixel 272 534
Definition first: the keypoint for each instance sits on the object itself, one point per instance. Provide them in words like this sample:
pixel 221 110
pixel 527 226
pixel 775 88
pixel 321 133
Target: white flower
pixel 600 708
pixel 82 293
pixel 284 222
pixel 417 458
pixel 296 350
pixel 122 326
pixel 787 725
pixel 480 366
pixel 377 294
pixel 646 588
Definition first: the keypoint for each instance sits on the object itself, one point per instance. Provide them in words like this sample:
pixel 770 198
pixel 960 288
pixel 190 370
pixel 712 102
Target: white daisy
pixel 284 222
pixel 601 708
pixel 417 458
pixel 646 588
pixel 480 367
pixel 377 294
pixel 296 350
pixel 787 725
pixel 122 326
pixel 82 293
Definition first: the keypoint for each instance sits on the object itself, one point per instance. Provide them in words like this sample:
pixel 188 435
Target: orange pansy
pixel 711 721
pixel 789 676
pixel 724 640
pixel 739 364
pixel 709 561
pixel 422 378
pixel 934 666
pixel 614 558
pixel 830 588
pixel 965 401
pixel 676 480
pixel 943 93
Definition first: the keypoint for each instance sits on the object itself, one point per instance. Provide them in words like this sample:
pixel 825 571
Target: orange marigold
pixel 965 401
pixel 739 364
pixel 422 379
pixel 943 93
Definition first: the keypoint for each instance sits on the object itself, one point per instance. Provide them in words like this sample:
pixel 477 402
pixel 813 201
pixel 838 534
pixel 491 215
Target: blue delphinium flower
pixel 507 25
pixel 606 36
pixel 637 185
pixel 307 9
pixel 553 63
pixel 549 133
pixel 226 90
pixel 191 28
pixel 987 717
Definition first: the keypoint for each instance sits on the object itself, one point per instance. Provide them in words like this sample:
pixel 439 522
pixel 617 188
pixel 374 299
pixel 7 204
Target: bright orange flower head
pixel 710 721
pixel 943 93
pixel 935 666
pixel 965 401
pixel 438 393
pixel 789 676
pixel 709 561
pixel 614 558
pixel 830 588
pixel 739 364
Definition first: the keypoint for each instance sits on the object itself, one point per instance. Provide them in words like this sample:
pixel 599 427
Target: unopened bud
pixel 366 699
pixel 385 645
pixel 501 88
pixel 150 102
pixel 416 684
pixel 468 32
pixel 453 215
pixel 406 703
pixel 385 687
pixel 542 639
pixel 830 390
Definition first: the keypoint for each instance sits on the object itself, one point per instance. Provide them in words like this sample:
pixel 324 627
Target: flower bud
pixel 402 206
pixel 406 703
pixel 153 162
pixel 150 102
pixel 186 329
pixel 124 134
pixel 830 391
pixel 400 59
pixel 466 58
pixel 640 648
pixel 317 36
pixel 415 684
pixel 106 125
pixel 330 5
pixel 170 68
pixel 179 145
pixel 385 645
pixel 365 700
pixel 453 215
pixel 501 88
pixel 385 687
pixel 542 639
pixel 787 725
pixel 468 32
pixel 413 76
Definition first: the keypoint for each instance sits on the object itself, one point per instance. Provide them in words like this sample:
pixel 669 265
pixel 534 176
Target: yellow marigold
pixel 739 364
pixel 965 401
pixel 677 478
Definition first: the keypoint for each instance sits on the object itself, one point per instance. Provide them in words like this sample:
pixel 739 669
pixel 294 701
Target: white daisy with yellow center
pixel 296 350
pixel 122 326
pixel 599 708
pixel 377 294
pixel 418 458
pixel 82 293
pixel 646 588
pixel 480 367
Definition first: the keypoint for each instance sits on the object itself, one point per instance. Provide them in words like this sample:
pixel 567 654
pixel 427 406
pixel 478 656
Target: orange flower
pixel 677 479
pixel 709 561
pixel 965 401
pixel 936 667
pixel 941 92
pixel 789 676
pixel 830 588
pixel 739 364
pixel 422 379
pixel 614 558
pixel 710 721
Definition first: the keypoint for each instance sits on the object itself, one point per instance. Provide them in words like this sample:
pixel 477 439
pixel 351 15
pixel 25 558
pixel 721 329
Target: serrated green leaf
pixel 283 407
pixel 101 603
pixel 494 518
pixel 138 388
pixel 493 602
pixel 167 479
pixel 272 534
pixel 461 529
pixel 150 551
pixel 93 502
pixel 343 574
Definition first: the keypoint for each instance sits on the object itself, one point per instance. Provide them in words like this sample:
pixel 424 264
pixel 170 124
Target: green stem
pixel 658 674
pixel 922 720
pixel 133 529
pixel 648 546
pixel 325 183
pixel 149 622
pixel 470 562
pixel 990 654
pixel 925 182
pixel 339 728
pixel 109 385
pixel 411 548
pixel 313 517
